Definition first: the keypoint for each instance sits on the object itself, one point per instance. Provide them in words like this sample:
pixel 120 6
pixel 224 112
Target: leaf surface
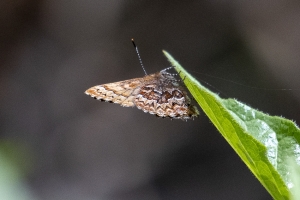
pixel 263 142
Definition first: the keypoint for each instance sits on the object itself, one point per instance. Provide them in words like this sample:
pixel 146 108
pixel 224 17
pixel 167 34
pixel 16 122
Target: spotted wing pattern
pixel 122 92
pixel 158 94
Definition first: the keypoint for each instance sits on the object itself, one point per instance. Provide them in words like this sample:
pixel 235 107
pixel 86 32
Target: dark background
pixel 74 147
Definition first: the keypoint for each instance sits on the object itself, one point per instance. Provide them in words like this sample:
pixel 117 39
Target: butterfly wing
pixel 165 102
pixel 122 92
pixel 165 98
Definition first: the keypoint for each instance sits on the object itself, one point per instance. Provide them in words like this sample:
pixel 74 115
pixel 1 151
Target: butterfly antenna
pixel 137 51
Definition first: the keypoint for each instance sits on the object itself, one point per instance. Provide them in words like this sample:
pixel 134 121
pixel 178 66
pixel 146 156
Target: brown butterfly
pixel 158 94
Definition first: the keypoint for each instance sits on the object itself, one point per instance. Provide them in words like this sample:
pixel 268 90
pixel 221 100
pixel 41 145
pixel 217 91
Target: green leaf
pixel 295 174
pixel 263 142
pixel 12 184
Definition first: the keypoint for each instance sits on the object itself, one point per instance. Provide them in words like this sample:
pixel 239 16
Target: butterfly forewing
pixel 121 92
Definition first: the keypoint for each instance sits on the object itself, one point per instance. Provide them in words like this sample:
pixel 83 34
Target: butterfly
pixel 159 94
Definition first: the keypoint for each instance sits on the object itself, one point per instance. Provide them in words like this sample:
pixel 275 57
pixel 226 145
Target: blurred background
pixel 58 143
